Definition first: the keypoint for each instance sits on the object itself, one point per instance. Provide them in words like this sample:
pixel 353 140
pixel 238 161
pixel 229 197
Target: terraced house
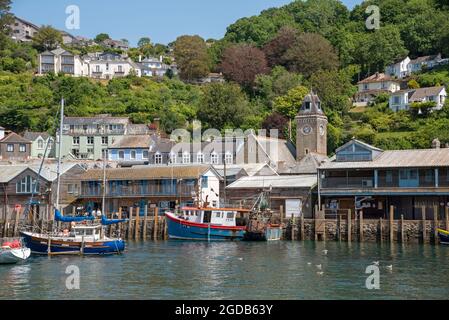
pixel 369 179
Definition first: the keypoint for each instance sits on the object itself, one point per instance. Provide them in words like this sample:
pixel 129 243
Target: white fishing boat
pixel 13 251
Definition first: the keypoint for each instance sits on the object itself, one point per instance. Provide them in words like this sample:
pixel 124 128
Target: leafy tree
pixel 222 105
pixel 242 63
pixel 143 42
pixel 413 84
pixel 289 104
pixel 5 18
pixel 276 49
pixel 311 53
pixel 276 121
pixel 191 56
pixel 99 38
pixel 47 38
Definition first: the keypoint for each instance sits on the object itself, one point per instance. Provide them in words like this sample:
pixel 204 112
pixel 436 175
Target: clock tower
pixel 311 128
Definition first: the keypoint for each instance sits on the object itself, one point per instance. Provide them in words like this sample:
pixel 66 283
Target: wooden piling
pixel 120 225
pixel 16 223
pixel 381 227
pixel 145 220
pixel 301 221
pixel 130 223
pixel 165 229
pixel 137 228
pixel 349 221
pixel 446 217
pixel 338 231
pixel 435 224
pixel 391 226
pixel 423 224
pixel 281 212
pixel 402 229
pixel 361 226
pixel 155 223
pixel 6 226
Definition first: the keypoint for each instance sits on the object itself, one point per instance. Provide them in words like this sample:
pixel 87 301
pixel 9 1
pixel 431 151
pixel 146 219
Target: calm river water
pixel 238 270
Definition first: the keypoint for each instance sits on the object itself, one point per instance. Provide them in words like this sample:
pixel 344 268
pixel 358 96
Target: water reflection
pixel 237 270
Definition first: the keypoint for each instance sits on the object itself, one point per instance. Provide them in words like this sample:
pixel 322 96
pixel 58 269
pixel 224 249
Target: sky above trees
pixel 162 21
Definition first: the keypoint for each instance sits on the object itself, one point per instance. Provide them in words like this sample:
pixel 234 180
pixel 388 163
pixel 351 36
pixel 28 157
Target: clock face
pixel 322 130
pixel 307 130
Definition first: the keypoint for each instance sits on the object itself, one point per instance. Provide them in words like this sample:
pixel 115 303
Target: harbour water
pixel 236 270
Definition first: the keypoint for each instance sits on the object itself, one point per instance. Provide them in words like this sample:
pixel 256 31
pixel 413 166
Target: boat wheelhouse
pixel 208 224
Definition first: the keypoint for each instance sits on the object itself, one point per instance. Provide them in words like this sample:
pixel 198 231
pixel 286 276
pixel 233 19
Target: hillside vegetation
pixel 270 62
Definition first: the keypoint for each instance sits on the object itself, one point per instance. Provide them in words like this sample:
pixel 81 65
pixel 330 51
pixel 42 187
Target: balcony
pixel 348 183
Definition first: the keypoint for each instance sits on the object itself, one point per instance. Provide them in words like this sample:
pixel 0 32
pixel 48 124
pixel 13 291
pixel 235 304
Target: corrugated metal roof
pixel 146 172
pixel 9 172
pixel 398 159
pixel 258 182
pixel 49 171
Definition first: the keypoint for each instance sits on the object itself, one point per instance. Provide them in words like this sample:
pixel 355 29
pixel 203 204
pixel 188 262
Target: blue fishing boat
pixel 84 237
pixel 206 224
pixel 444 236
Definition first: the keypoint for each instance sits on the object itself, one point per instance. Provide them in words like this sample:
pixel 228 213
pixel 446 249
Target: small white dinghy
pixel 13 252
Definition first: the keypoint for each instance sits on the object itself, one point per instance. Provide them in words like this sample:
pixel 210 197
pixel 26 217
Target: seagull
pixel 325 252
pixel 376 263
pixel 319 266
pixel 169 261
pixel 320 273
pixel 390 268
pixel 241 259
pixel 309 263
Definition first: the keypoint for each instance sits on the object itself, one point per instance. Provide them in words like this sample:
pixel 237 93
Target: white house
pixel 399 68
pixel 22 30
pixel 401 100
pixel 419 63
pixel 153 67
pixel 62 61
pixel 374 85
pixel 110 65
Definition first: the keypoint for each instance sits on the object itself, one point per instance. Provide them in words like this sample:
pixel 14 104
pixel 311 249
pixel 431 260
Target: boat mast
pixel 58 185
pixel 104 186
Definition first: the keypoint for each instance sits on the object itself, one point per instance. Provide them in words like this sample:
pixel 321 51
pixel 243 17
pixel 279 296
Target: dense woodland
pixel 270 62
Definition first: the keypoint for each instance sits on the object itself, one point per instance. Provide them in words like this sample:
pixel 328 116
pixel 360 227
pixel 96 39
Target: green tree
pixel 223 105
pixel 99 38
pixel 289 104
pixel 192 57
pixel 47 38
pixel 143 42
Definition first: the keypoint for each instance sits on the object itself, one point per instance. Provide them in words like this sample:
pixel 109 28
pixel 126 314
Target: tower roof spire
pixel 311 104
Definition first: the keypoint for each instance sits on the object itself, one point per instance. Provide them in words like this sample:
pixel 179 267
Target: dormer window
pixel 318 105
pixel 307 105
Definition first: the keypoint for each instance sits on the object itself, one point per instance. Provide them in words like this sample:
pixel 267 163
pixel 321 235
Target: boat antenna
pixel 103 200
pixel 58 184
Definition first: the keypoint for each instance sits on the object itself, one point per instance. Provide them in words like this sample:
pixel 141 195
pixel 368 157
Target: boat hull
pixel 179 229
pixel 12 256
pixel 444 236
pixel 39 245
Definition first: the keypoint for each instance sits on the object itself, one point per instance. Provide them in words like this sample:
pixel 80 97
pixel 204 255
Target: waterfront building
pixel 292 193
pixel 39 141
pixel 130 150
pixel 155 186
pixel 18 181
pixel 363 177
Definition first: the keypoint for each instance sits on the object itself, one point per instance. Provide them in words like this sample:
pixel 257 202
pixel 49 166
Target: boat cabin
pixel 211 216
pixel 86 232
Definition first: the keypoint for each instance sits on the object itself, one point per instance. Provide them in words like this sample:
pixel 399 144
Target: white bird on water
pixel 309 263
pixel 376 263
pixel 320 273
pixel 241 259
pixel 325 252
pixel 319 267
pixel 390 267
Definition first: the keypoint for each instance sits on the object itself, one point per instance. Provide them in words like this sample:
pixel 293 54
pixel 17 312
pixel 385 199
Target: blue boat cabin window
pixel 230 215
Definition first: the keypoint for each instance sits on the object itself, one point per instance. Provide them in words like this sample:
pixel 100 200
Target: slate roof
pixel 48 172
pixel 95 120
pixel 34 135
pixel 14 138
pixel 261 182
pixel 134 141
pixel 377 77
pixel 147 173
pixel 424 59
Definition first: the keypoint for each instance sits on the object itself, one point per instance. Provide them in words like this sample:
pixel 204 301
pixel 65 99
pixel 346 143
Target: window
pixel 76 140
pixel 10 148
pixel 97 69
pixel 145 154
pixel 396 100
pixel 230 215
pixel 26 184
pixel 75 153
pixel 186 158
pixel 218 214
pixel 200 158
pixel 158 159
pixel 104 140
pixel 389 176
pixel 428 176
pixel 214 203
pixel 133 154
pixel 120 68
pixel 365 86
pixel 228 158
pixel 104 153
pixel 204 182
pixel 90 151
pixel 22 147
pixel 214 158
pixel 72 188
pixel 90 140
pixel 121 155
pixel 40 144
pixel 307 106
pixel 172 158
